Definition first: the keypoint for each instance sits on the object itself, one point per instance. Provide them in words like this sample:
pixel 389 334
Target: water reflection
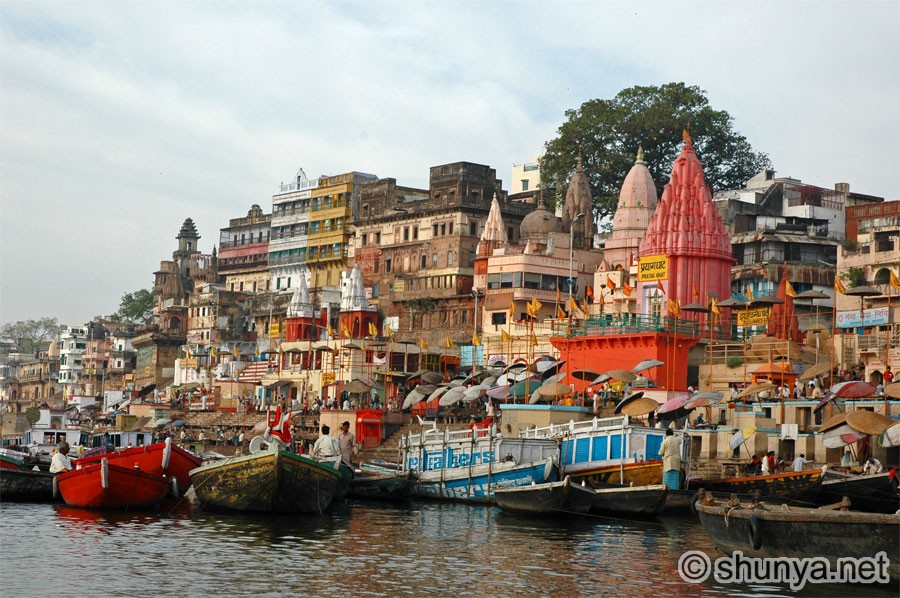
pixel 356 548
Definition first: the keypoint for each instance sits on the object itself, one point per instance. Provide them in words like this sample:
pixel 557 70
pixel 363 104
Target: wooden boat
pixel 643 473
pixel 26 485
pixel 795 486
pixel 773 530
pixel 105 485
pixel 477 483
pixel 872 493
pixel 638 501
pixel 567 496
pixel 10 459
pixel 269 481
pixel 380 484
pixel 162 458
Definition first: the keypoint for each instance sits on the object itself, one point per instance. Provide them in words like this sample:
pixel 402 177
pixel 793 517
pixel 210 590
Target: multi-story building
pixel 244 252
pixel 525 177
pixel 96 358
pixel 869 334
pixel 216 315
pixel 290 231
pixel 416 249
pixel 72 343
pixel 32 381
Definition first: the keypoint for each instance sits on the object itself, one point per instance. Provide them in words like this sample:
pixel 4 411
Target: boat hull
pixel 25 485
pixel 477 483
pixel 798 487
pixel 644 473
pixel 380 485
pixel 161 458
pixel 638 501
pixel 275 481
pixel 774 531
pixel 122 488
pixel 872 493
pixel 550 498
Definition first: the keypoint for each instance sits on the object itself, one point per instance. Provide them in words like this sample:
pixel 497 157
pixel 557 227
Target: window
pixel 434 261
pixel 387 265
pixel 524 184
pixel 443 229
pixel 451 227
pixel 378 238
pixel 406 233
pixel 416 232
pixel 473 228
pixel 450 258
pixel 424 263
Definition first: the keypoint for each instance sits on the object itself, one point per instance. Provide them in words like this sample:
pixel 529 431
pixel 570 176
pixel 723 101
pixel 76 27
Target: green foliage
pixel 28 335
pixel 32 414
pixel 420 304
pixel 136 307
pixel 733 362
pixel 854 277
pixel 608 133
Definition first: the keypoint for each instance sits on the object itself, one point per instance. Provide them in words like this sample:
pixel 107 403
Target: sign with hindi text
pixel 753 317
pixel 653 267
pixel 871 317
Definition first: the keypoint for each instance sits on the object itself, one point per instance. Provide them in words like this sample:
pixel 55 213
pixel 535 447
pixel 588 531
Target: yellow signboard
pixel 274 330
pixel 653 267
pixel 327 378
pixel 753 317
pixel 188 363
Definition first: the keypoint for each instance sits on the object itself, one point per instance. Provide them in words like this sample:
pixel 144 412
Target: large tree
pixel 28 335
pixel 136 307
pixel 607 134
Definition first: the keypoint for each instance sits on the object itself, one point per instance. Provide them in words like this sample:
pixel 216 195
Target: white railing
pixel 573 428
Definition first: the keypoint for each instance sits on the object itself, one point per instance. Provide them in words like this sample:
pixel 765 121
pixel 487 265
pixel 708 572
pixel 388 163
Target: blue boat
pixel 467 465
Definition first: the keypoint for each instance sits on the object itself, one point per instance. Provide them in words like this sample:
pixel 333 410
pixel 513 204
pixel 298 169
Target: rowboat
pixel 269 481
pixel 643 473
pixel 638 501
pixel 10 459
pixel 794 486
pixel 776 531
pixel 162 458
pixel 105 485
pixel 25 485
pixel 873 493
pixel 478 483
pixel 550 498
pixel 380 483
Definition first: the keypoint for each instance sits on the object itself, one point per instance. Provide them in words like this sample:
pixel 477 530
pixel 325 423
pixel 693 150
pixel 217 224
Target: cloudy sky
pixel 119 120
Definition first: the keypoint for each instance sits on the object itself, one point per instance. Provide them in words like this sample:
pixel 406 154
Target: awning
pixel 277 384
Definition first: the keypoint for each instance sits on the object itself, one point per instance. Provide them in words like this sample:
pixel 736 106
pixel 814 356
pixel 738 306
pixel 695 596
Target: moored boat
pixel 567 496
pixel 26 485
pixel 269 481
pixel 638 501
pixel 379 483
pixel 10 459
pixel 642 473
pixel 161 458
pixel 873 493
pixel 773 531
pixel 801 487
pixel 105 485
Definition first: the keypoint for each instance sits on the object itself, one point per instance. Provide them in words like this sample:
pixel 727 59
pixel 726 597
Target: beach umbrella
pixel 498 392
pixel 892 390
pixel 417 395
pixel 524 388
pixel 549 391
pixel 826 398
pixel 543 363
pixel 601 379
pixel 869 422
pixel 695 307
pixel 675 404
pixel 813 371
pixel 756 389
pixel 474 392
pixel 732 302
pixel 835 421
pixel 740 437
pixel 640 407
pixel 890 437
pixel 622 375
pixel 704 399
pixel 454 395
pixel 584 374
pixel 432 378
pixel 645 365
pixel 551 371
pixel 356 386
pixel 629 399
pixel 855 389
pixel 438 392
pixel 840 436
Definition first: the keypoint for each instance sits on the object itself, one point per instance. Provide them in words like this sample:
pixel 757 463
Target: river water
pixel 356 549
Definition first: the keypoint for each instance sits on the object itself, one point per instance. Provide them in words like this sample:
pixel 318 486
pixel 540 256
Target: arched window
pixel 450 258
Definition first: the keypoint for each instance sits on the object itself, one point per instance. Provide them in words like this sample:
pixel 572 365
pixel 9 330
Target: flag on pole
pixel 345 332
pixel 895 281
pixel 572 305
pixel 213 353
pixel 533 338
pixel 714 307
pixel 536 304
pixel 331 333
pixel 529 310
pixel 373 330
pixel 504 336
pixel 234 351
pixel 627 288
pixel 449 343
pixel 750 297
pixel 560 314
pixel 558 297
pixel 838 287
pixel 789 289
pixel 512 309
pixel 586 308
pixel 388 331
pixel 696 294
pixel 589 294
pixel 257 349
pixel 423 344
pixel 674 307
pixel 660 287
pixel 476 341
pixel 610 284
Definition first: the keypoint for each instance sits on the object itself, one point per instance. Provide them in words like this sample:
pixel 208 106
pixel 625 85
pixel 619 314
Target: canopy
pixel 524 388
pixel 892 390
pixel 740 437
pixel 584 374
pixel 755 389
pixel 454 395
pixel 815 370
pixel 704 399
pixel 622 375
pixel 674 404
pixel 890 437
pixel 855 389
pixel 869 422
pixel 646 365
pixel 356 386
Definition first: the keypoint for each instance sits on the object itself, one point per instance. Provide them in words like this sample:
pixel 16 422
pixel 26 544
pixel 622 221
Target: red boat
pixel 105 485
pixel 162 458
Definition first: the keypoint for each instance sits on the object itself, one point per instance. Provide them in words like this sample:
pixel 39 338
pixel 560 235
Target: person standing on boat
pixel 326 446
pixel 61 462
pixel 799 462
pixel 347 444
pixel 670 451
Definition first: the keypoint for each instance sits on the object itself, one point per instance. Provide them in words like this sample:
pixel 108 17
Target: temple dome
pixel 538 225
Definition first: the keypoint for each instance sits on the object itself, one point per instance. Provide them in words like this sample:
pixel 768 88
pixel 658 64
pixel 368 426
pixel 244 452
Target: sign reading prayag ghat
pixel 753 317
pixel 653 267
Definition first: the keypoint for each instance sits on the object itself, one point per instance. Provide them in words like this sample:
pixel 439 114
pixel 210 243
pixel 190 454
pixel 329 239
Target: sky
pixel 118 120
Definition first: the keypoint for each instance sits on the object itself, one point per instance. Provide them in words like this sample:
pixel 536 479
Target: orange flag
pixel 589 294
pixel 560 313
pixel 789 289
pixel 696 295
pixel 627 288
pixel 839 287
pixel 895 282
pixel 660 287
pixel 674 307
pixel 610 284
pixel 504 336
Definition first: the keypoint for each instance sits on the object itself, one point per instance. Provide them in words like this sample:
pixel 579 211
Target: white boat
pixel 468 465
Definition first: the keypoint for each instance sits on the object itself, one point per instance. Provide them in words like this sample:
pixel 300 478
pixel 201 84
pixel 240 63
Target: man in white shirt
pixel 326 447
pixel 799 462
pixel 872 466
pixel 61 462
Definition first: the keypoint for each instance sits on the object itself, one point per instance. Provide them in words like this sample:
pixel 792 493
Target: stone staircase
pixel 388 450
